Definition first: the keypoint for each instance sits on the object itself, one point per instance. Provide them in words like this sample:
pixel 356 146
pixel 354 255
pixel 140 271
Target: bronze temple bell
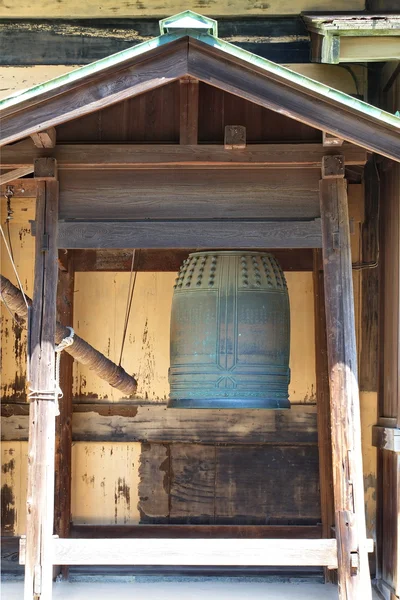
pixel 230 332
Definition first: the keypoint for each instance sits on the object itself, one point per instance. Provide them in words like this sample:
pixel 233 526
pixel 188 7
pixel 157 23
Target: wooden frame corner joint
pixel 332 166
pixel 45 169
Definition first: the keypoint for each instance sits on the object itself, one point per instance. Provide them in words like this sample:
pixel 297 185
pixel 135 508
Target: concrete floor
pixel 167 590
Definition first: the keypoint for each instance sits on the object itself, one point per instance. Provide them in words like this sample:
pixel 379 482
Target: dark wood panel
pixel 80 41
pixel 156 423
pixel 171 260
pixel 368 363
pixel 259 484
pixel 196 531
pixel 390 257
pixel 181 234
pixel 150 117
pixel 154 483
pixel 189 194
pixel 192 492
pixel 218 108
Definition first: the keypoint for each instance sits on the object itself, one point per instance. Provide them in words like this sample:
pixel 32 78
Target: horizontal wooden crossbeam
pixel 224 552
pixel 197 531
pixel 135 156
pixel 156 423
pixel 181 234
pixel 170 261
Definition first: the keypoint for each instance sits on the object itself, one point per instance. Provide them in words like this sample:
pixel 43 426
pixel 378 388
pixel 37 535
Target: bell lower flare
pixel 230 403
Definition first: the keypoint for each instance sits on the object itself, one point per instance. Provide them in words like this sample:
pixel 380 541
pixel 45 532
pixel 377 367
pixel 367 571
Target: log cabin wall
pixel 210 478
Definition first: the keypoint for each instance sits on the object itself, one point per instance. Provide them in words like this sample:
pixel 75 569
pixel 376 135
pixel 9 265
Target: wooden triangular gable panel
pixel 202 59
pixel 103 88
pixel 213 66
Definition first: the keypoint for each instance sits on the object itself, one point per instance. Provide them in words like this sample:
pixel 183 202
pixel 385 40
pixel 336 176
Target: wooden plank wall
pixel 110 8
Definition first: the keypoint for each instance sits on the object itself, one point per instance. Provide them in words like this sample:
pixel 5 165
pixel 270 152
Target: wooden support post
pixel 40 496
pixel 189 110
pixel 323 406
pixel 353 569
pixel 62 498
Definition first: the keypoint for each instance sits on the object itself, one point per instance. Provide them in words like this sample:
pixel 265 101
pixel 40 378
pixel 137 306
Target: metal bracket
pixel 45 242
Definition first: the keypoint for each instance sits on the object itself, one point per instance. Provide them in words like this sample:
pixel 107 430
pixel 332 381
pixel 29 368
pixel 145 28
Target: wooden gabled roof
pixel 188 46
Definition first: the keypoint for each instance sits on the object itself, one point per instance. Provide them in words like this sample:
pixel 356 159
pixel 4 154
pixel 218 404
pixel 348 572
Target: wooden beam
pixel 182 234
pixel 235 137
pixel 354 581
pixel 386 438
pixel 156 423
pixel 45 169
pixel 40 495
pixel 253 552
pixel 45 138
pixel 138 156
pixel 370 48
pixel 189 195
pixel 58 41
pixel 189 111
pixel 196 531
pixel 323 408
pixel 99 90
pixel 171 260
pixel 329 140
pixel 216 68
pixel 15 174
pixel 62 499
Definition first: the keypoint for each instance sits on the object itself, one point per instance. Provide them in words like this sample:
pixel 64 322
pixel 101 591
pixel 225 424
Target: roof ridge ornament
pixel 190 21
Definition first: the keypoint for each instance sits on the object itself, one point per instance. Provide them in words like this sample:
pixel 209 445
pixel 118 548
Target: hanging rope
pixel 129 299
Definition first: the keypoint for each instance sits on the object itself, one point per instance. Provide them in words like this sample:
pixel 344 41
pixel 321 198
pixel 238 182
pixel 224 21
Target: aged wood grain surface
pixel 98 156
pixel 40 496
pixel 192 494
pixel 189 194
pixel 181 234
pixel 110 8
pixel 344 393
pixel 154 483
pixel 196 552
pixel 247 480
pixel 156 423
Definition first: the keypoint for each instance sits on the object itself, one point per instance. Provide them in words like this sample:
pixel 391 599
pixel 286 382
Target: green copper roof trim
pixel 266 65
pixel 189 20
pixel 95 67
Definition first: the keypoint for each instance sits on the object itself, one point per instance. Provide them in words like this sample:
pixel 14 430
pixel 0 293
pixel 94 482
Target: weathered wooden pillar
pixel 189 111
pixel 353 569
pixel 62 498
pixel 40 497
pixel 323 405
